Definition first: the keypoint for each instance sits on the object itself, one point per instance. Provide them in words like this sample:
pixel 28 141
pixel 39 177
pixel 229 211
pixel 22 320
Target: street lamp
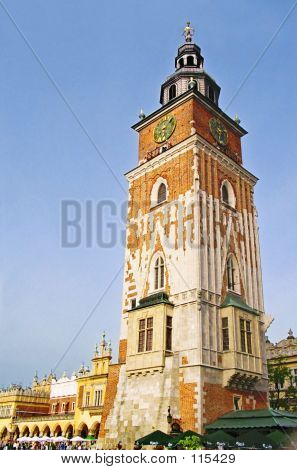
pixel 169 416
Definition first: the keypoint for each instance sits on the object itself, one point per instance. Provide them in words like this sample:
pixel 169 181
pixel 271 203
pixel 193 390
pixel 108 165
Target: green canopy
pixel 280 438
pixel 219 436
pixel 185 434
pixel 254 439
pixel 154 438
pixel 266 418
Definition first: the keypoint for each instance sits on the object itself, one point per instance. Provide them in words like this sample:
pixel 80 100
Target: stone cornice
pixel 191 142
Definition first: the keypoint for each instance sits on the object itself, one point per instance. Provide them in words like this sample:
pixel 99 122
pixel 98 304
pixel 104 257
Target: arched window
pixel 172 92
pixel 161 193
pixel 230 273
pixel 211 94
pixel 159 273
pixel 181 62
pixel 233 276
pixel 190 60
pixel 225 195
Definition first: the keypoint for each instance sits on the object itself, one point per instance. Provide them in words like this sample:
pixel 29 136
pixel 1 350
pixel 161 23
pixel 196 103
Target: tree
pixel 191 443
pixel 281 388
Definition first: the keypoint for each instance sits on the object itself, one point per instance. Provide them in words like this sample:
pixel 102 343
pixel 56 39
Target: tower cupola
pixel 189 73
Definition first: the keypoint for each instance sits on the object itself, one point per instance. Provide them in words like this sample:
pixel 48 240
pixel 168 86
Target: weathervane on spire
pixel 188 32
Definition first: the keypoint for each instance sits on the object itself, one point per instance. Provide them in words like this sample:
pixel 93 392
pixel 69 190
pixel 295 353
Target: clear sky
pixel 109 60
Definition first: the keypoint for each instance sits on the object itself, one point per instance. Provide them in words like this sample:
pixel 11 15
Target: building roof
pixel 266 418
pixel 284 348
pixel 235 300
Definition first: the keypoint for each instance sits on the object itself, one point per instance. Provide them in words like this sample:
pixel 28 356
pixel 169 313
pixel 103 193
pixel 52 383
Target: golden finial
pixel 188 32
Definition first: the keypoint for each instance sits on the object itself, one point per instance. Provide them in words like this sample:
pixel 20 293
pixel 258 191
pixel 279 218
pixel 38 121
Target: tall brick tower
pixel 193 322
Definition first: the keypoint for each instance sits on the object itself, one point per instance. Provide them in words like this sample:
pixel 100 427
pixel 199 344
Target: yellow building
pixel 18 403
pixel 284 354
pixel 91 388
pixel 51 407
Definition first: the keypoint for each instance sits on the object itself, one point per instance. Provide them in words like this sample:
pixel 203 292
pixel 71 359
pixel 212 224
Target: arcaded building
pixel 192 326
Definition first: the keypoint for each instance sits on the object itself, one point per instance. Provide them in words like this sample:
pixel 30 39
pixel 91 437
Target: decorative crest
pixel 188 32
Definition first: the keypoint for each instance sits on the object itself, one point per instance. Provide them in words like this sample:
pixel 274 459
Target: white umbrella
pixel 35 439
pixel 77 439
pixel 59 439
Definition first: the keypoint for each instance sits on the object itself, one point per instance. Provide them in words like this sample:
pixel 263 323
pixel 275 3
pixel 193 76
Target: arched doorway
pixel 58 431
pixel 46 432
pixel 35 431
pixel 94 431
pixel 25 432
pixel 4 434
pixel 16 433
pixel 83 430
pixel 69 431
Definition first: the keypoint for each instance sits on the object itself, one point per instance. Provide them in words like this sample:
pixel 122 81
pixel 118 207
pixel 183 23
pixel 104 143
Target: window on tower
pixel 211 94
pixel 245 336
pixel 227 194
pixel 161 193
pixel 225 331
pixel 181 62
pixel 230 273
pixel 145 334
pixel 159 273
pixel 172 92
pixel 168 333
pixel 190 60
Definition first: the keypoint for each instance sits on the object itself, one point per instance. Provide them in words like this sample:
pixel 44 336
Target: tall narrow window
pixel 181 62
pixel 242 335
pixel 168 333
pixel 145 335
pixel 87 400
pixel 141 336
pixel 159 273
pixel 230 273
pixel 211 94
pixel 149 334
pixel 98 397
pixel 225 331
pixel 225 194
pixel 248 337
pixel 161 193
pixel 172 92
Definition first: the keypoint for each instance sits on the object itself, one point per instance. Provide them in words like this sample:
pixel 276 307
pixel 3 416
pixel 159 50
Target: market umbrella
pixel 219 437
pixel 77 439
pixel 279 439
pixel 185 434
pixel 58 439
pixel 23 439
pixel 154 439
pixel 255 439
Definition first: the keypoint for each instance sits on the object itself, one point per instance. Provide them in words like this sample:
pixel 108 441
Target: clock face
pixel 218 131
pixel 164 129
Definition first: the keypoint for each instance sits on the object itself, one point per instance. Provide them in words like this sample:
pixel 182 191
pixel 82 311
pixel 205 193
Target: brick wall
pixel 122 351
pixel 188 399
pixel 110 394
pixel 219 400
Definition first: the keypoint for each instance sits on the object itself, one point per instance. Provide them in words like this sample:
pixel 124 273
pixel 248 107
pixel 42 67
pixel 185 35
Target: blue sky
pixel 109 60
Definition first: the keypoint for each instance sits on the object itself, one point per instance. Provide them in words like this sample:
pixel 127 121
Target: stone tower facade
pixel 193 322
